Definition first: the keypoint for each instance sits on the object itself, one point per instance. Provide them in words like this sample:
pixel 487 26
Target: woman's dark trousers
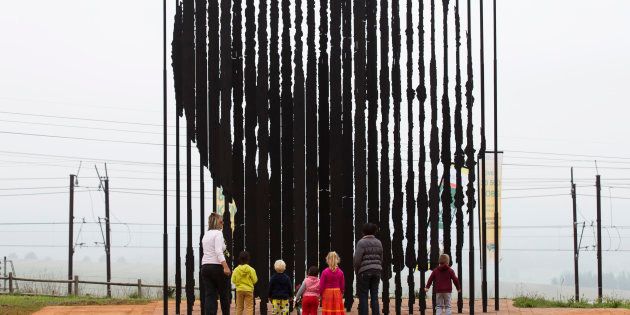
pixel 216 285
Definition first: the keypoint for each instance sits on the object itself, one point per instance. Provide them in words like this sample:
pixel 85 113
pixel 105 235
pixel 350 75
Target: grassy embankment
pixel 541 302
pixel 27 304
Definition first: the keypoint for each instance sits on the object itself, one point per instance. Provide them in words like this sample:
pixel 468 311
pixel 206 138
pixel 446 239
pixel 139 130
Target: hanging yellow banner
pixel 220 202
pixel 490 201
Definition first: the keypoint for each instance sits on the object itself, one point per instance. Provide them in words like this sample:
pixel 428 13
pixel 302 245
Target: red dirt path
pixel 155 308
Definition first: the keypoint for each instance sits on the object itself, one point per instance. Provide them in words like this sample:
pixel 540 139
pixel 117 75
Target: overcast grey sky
pixel 563 80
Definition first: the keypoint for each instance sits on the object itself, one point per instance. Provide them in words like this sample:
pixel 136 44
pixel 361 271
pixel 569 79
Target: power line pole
pixel 70 234
pixel 599 237
pixel 107 238
pixel 575 239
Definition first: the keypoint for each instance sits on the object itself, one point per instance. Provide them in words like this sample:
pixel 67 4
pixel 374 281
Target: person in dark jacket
pixel 368 265
pixel 280 289
pixel 443 277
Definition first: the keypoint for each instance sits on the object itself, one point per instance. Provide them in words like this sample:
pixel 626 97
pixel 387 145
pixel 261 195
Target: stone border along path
pixel 155 308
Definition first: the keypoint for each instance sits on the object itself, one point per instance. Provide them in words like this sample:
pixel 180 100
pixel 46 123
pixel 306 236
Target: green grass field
pixel 540 302
pixel 27 304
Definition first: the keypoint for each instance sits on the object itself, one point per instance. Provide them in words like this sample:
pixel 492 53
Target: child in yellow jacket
pixel 244 278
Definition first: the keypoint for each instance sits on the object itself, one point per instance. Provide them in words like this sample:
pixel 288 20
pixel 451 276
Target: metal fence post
pixel 139 288
pixel 10 282
pixel 76 285
pixel 4 270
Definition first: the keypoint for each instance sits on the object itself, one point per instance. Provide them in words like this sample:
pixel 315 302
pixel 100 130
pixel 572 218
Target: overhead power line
pixel 82 105
pixel 609 197
pixel 79 138
pixel 563 166
pixel 33 188
pixel 88 159
pixel 39 193
pixel 83 119
pixel 536 196
pixel 82 127
pixel 571 154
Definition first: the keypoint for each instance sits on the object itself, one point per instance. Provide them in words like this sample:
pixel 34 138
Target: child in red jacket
pixel 442 277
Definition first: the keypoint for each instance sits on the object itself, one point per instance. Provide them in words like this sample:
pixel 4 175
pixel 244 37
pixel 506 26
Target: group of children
pixel 328 288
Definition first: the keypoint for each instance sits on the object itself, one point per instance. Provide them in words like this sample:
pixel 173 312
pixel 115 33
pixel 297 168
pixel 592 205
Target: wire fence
pixel 78 287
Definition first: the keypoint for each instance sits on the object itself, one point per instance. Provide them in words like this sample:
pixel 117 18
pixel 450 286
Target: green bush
pixel 536 301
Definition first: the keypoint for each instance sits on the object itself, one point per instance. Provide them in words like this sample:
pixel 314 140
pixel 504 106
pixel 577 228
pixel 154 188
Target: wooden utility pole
pixel 575 239
pixel 107 238
pixel 70 234
pixel 598 184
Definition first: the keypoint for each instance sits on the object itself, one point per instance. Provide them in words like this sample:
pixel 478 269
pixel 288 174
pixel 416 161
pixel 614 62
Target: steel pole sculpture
pixel 165 175
pixel 423 201
pixel 225 128
pixel 299 180
pixel 372 101
pixel 224 135
pixel 279 136
pixel 496 165
pixel 177 57
pixel 251 117
pixel 191 115
pixel 324 135
pixel 459 160
pixel 446 141
pixel 385 190
pixel 214 91
pixel 336 134
pixel 397 205
pixel 410 257
pixel 275 180
pixel 189 106
pixel 470 165
pixel 336 166
pixel 190 259
pixel 482 152
pixel 434 153
pixel 201 96
pixel 263 192
pixel 237 185
pixel 311 140
pixel 360 94
pixel 347 202
pixel 286 106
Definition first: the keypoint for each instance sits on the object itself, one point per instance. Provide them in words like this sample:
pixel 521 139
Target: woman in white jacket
pixel 215 271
